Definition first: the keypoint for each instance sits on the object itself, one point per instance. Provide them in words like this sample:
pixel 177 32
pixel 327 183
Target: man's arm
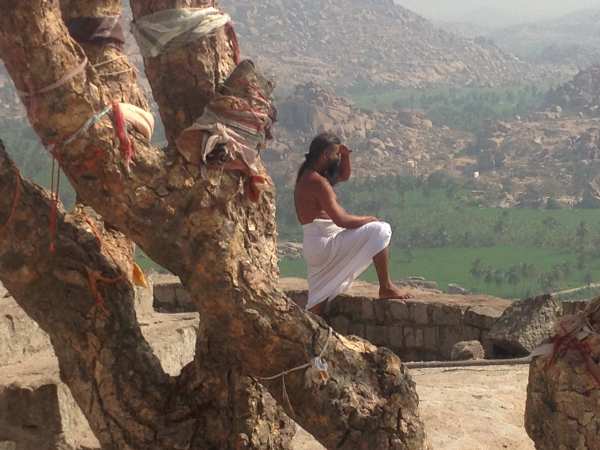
pixel 345 167
pixel 328 202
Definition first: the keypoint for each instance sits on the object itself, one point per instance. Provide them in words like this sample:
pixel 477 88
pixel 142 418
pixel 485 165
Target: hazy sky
pixel 527 9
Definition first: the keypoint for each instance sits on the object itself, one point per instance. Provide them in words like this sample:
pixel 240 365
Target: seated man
pixel 337 246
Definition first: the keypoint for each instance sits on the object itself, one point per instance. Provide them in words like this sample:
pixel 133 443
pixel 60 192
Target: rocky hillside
pixel 581 95
pixel 546 160
pixel 573 39
pixel 345 43
pixel 384 143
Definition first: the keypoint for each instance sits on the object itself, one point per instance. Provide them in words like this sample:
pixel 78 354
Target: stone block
pixel 367 310
pixel 482 317
pixel 448 336
pixel 472 334
pixel 430 338
pixel 351 307
pixel 172 338
pixel 38 412
pixel 377 334
pixel 399 311
pixel 525 325
pixel 8 445
pixel 165 297
pixel 144 300
pixel 411 354
pixel 184 300
pixel 396 337
pixel 340 324
pixel 409 337
pixel 446 315
pixel 357 329
pixel 456 289
pixel 381 307
pixel 488 347
pixel 171 297
pixel 420 313
pixel 467 350
pixel 419 338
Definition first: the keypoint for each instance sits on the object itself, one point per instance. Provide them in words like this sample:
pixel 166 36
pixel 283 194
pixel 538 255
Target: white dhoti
pixel 337 256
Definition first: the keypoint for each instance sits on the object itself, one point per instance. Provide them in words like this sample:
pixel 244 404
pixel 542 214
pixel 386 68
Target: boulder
pixel 524 326
pixel 455 289
pixel 292 250
pixel 467 350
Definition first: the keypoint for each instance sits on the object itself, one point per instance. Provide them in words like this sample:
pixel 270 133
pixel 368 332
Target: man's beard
pixel 333 172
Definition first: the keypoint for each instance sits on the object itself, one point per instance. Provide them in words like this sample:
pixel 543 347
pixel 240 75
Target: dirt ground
pixel 474 408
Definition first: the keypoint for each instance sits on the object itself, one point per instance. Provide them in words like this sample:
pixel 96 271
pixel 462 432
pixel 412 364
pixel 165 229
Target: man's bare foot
pixel 392 292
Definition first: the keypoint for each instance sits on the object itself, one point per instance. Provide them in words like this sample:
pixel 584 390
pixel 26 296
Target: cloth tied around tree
pixel 575 332
pixel 234 128
pixel 173 28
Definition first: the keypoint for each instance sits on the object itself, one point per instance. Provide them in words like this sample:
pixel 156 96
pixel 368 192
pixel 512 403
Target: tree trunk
pixel 234 410
pixel 82 296
pixel 197 222
pixel 563 395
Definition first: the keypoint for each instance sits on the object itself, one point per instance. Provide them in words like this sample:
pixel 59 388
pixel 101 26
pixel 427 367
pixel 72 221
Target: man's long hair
pixel 319 144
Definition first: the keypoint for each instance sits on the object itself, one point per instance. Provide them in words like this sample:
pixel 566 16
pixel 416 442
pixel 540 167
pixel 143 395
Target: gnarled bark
pixel 228 410
pixel 82 296
pixel 563 394
pixel 197 222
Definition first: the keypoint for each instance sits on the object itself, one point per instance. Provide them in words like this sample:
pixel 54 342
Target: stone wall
pixel 415 330
pixel 37 410
pixel 169 295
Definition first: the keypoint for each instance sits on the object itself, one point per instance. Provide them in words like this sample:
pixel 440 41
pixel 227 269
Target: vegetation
pixel 441 230
pixel 35 164
pixel 464 108
pixel 442 233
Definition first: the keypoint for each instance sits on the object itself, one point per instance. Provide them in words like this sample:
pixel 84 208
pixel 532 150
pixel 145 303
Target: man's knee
pixel 383 232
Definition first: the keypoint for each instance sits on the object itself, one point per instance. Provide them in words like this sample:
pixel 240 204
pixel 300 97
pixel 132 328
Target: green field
pixel 443 229
pixel 451 265
pixel 442 233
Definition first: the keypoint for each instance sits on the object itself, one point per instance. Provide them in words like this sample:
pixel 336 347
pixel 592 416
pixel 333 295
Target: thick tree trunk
pixel 197 222
pixel 82 296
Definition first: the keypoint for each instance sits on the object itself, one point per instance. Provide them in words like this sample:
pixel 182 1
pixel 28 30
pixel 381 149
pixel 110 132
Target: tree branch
pixel 83 298
pixel 193 72
pixel 199 225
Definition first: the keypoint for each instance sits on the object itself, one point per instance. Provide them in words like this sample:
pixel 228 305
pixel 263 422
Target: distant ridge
pixel 345 43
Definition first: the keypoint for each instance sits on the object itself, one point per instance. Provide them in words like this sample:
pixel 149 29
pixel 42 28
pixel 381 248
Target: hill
pixel 345 43
pixel 400 142
pixel 579 95
pixel 572 39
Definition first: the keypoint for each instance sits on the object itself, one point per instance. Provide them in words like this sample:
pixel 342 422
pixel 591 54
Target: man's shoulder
pixel 313 177
pixel 313 180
